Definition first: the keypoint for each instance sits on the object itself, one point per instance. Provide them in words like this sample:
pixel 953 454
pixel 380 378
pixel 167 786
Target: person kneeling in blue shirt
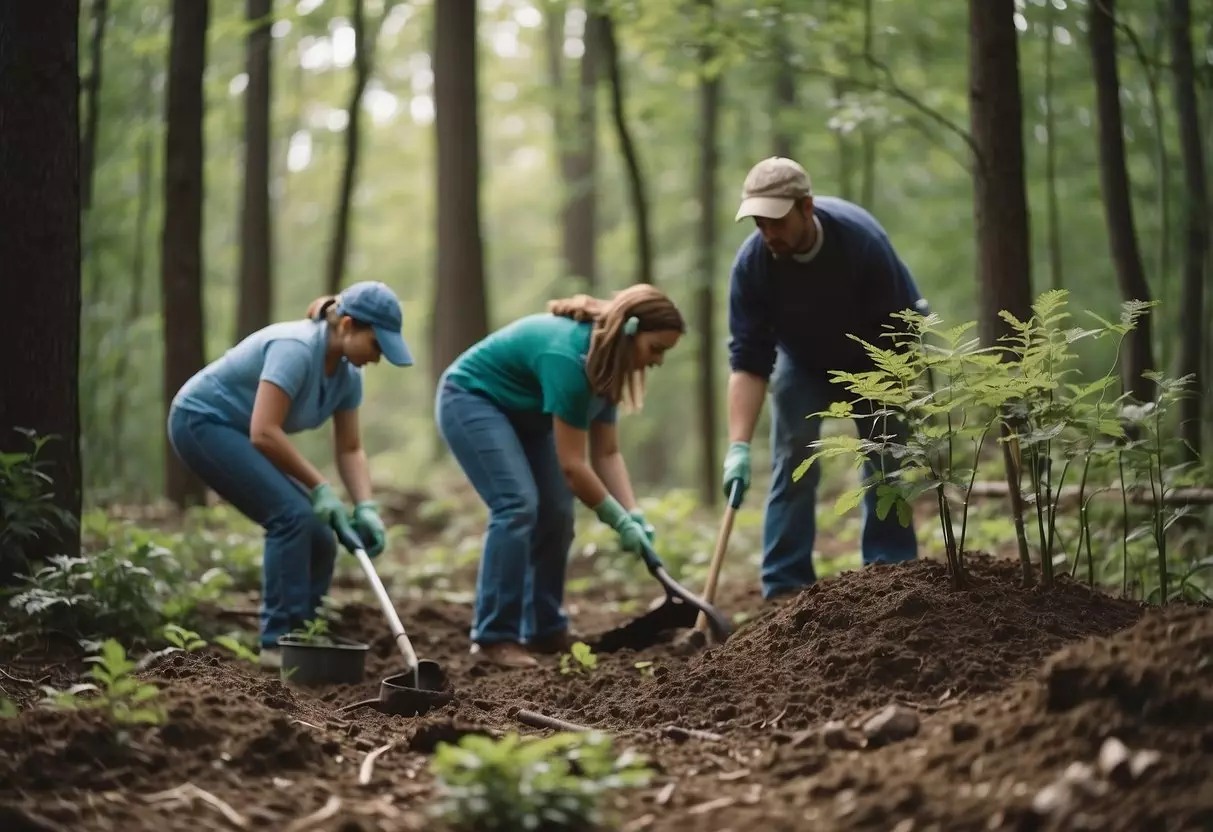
pixel 229 424
pixel 813 271
pixel 517 410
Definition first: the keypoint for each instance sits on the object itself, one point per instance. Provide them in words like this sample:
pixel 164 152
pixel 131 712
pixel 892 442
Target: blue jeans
pixel 300 549
pixel 790 522
pixel 511 461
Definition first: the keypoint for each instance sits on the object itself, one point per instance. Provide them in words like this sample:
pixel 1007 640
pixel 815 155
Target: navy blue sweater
pixel 851 284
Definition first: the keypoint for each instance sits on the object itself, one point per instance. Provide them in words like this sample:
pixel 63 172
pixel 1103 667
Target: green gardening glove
pixel 631 534
pixel 369 526
pixel 737 468
pixel 327 506
pixel 649 532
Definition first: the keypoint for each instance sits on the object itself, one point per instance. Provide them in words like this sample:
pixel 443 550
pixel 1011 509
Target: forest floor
pixel 878 699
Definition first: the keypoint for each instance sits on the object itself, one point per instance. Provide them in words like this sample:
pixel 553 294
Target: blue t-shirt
pixel 852 282
pixel 535 365
pixel 291 355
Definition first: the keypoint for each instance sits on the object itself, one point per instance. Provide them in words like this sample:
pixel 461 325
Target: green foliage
pixel 948 393
pixel 241 651
pixel 27 508
pixel 183 639
pixel 315 631
pixel 8 708
pixel 550 783
pixel 118 693
pixel 579 659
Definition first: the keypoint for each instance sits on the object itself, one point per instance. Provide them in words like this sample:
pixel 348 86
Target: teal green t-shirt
pixel 535 365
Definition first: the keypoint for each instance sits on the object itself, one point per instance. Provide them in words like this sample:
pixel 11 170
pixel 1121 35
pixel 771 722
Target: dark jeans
pixel 300 550
pixel 511 461
pixel 790 521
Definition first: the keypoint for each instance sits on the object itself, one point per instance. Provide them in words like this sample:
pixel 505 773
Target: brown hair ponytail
pixel 322 307
pixel 608 363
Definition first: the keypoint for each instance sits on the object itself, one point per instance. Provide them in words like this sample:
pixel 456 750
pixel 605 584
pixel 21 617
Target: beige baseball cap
pixel 771 188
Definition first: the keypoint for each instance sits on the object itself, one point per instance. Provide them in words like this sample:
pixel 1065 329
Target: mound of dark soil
pixel 849 643
pixel 1113 734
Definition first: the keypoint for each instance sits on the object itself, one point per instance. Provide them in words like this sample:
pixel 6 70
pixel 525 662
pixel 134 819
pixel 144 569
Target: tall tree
pixel 460 303
pixel 1000 206
pixel 577 138
pixel 256 232
pixel 92 92
pixel 709 152
pixel 40 249
pixel 181 239
pixel 1196 224
pixel 1118 203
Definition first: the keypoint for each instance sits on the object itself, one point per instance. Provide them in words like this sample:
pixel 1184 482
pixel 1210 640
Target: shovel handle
pixel 351 541
pixel 722 545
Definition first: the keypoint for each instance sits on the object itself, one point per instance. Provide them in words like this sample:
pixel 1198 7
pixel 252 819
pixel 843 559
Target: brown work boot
pixel 504 654
pixel 560 642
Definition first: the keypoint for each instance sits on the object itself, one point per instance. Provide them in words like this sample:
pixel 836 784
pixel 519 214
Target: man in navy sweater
pixel 814 270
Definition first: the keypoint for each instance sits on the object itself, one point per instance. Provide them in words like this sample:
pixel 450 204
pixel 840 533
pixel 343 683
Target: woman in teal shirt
pixel 517 411
pixel 229 424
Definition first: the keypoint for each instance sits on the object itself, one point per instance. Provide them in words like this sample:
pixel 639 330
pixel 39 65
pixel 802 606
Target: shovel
pixel 680 609
pixel 722 545
pixel 423 684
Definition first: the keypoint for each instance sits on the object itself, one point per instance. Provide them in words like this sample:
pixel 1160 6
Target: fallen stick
pixel 186 791
pixel 681 734
pixel 330 808
pixel 538 720
pixel 16 678
pixel 368 764
pixel 1069 493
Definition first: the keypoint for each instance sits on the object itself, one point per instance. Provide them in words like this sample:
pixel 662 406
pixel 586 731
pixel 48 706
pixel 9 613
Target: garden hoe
pixel 680 609
pixel 422 686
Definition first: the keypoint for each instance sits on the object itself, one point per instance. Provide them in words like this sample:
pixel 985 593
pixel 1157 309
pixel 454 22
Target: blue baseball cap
pixel 372 302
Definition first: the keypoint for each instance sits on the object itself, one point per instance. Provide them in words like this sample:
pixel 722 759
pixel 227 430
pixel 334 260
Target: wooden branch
pixel 1137 496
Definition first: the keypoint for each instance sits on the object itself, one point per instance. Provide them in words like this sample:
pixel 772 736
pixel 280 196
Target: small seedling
pixel 313 632
pixel 580 659
pixel 645 668
pixel 241 651
pixel 551 783
pixel 183 639
pixel 124 698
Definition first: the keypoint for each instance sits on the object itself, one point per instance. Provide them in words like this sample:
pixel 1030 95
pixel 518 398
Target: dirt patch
pixel 1005 687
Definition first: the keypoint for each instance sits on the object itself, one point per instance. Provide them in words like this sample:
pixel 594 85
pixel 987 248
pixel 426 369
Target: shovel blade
pixel 399 697
pixel 648 629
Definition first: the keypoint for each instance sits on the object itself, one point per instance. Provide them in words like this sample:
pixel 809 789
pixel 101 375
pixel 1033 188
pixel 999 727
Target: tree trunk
pixel 40 253
pixel 181 239
pixel 577 144
pixel 1196 219
pixel 92 93
pixel 1054 210
pixel 640 207
pixel 709 123
pixel 460 304
pixel 1000 200
pixel 1118 203
pixel 339 244
pixel 256 231
pixel 785 98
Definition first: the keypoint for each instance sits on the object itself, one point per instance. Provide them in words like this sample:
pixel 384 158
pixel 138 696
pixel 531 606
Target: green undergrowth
pixel 941 400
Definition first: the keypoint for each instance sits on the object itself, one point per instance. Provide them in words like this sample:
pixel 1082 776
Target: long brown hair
pixel 608 363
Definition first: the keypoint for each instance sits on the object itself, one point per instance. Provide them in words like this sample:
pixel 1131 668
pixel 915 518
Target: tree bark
pixel 460 303
pixel 40 253
pixel 339 244
pixel 1196 223
pixel 256 229
pixel 1118 202
pixel 709 123
pixel 1053 209
pixel 640 202
pixel 1000 199
pixel 181 239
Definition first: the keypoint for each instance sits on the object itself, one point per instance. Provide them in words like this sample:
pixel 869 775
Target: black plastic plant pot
pixel 333 661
